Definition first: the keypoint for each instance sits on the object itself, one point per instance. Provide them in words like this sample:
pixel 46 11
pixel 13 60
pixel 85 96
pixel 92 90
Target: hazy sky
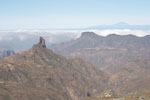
pixel 47 14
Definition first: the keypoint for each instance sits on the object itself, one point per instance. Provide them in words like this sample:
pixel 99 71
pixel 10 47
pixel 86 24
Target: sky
pixel 59 14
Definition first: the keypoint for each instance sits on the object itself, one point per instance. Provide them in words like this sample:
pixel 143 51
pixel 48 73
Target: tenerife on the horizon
pixel 70 14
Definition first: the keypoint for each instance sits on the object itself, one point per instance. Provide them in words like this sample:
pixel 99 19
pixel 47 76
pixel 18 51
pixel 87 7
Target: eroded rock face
pixel 42 42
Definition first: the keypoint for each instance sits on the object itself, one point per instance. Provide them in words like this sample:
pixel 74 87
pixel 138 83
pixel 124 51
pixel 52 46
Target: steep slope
pixel 40 74
pixel 105 52
pixel 87 40
pixel 132 76
pixel 92 40
pixel 126 58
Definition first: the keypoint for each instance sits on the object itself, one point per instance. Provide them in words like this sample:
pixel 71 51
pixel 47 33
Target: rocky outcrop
pixel 6 53
pixel 41 43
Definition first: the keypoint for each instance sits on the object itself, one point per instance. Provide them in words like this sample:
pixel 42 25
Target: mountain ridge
pixel 126 58
pixel 91 40
pixel 48 76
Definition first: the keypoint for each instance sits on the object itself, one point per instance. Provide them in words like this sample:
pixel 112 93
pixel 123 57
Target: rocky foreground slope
pixel 40 74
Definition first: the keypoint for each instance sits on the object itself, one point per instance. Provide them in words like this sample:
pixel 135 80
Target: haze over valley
pixel 29 37
pixel 74 50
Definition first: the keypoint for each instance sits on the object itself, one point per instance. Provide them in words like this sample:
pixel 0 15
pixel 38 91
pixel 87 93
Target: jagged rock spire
pixel 42 42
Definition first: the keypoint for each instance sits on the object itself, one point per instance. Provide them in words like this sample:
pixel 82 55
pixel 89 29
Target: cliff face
pixel 40 74
pixel 41 43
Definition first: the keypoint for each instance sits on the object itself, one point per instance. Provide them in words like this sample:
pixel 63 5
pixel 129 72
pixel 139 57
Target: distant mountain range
pixel 92 40
pixel 125 57
pixel 13 40
pixel 120 25
pixel 6 53
pixel 120 69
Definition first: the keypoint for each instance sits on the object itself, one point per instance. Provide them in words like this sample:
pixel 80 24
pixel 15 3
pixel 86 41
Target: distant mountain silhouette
pixel 120 25
pixel 6 53
pixel 92 40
